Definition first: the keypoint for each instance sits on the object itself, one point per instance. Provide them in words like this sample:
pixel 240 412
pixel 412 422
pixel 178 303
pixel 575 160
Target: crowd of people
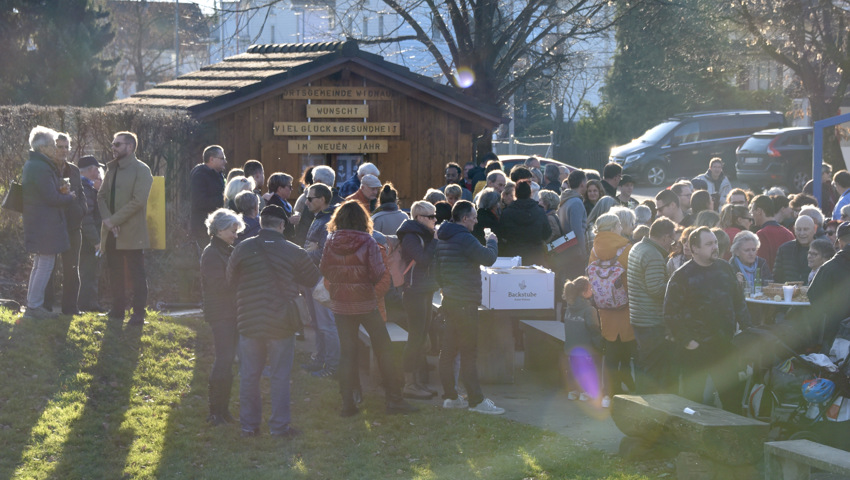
pixel 642 282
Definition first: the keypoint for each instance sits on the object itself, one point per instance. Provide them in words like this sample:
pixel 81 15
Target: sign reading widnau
pixel 337 128
pixel 337 93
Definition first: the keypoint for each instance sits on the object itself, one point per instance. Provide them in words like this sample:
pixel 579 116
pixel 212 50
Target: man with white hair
pixel 792 264
pixel 45 197
pixel 353 184
pixel 496 180
pixel 817 216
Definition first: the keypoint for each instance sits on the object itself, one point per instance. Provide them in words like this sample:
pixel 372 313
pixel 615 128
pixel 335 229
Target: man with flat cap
pixel 91 175
pixel 367 194
pixel 266 272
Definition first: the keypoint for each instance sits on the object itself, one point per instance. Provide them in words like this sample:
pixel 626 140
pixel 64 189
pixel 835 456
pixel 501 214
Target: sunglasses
pixel 310 199
pixel 432 217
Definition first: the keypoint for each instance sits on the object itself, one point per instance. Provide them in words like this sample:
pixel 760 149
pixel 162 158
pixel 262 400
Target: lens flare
pixel 464 77
pixel 585 371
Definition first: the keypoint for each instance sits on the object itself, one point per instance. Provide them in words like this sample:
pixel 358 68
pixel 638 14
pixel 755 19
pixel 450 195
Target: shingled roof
pixel 266 68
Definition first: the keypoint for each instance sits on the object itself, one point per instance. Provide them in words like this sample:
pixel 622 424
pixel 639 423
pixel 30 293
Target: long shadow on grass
pixel 29 368
pixel 97 445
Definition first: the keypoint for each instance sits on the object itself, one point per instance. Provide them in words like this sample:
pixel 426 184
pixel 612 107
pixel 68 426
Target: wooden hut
pixel 295 105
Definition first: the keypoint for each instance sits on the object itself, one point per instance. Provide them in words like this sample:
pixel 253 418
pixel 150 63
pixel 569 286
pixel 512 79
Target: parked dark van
pixel 779 156
pixel 682 145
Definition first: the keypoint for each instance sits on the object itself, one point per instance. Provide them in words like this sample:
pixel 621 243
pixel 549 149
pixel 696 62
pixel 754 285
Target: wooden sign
pixel 338 128
pixel 337 111
pixel 337 146
pixel 337 93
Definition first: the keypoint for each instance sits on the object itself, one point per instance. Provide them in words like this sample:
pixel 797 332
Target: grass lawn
pixel 83 398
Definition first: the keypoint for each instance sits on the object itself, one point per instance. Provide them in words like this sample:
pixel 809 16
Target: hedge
pixel 170 142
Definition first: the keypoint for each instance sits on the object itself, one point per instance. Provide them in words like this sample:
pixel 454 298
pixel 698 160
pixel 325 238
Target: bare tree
pixel 810 38
pixel 144 39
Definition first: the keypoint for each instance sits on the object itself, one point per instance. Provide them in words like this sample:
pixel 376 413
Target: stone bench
pixel 714 434
pixel 398 339
pixel 544 345
pixel 794 459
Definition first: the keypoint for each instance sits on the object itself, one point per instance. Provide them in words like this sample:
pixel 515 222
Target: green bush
pixel 170 142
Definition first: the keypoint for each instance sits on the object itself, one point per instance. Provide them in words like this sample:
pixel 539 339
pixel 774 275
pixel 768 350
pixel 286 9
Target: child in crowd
pixel 582 338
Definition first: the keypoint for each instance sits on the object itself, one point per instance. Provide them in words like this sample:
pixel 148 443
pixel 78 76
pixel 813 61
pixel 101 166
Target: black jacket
pixel 219 298
pixel 206 189
pixel 418 243
pixel 459 256
pixel 829 296
pixel 704 303
pixel 265 271
pixel 486 219
pixel 523 227
pixel 792 263
pixel 91 221
pixel 77 209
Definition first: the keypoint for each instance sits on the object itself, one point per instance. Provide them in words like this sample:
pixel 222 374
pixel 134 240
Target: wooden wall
pixel 429 138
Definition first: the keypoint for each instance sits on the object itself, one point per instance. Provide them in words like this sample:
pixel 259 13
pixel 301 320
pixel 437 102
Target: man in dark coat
pixel 91 175
pixel 523 227
pixel 828 292
pixel 703 307
pixel 206 190
pixel 266 271
pixel 792 262
pixel 611 178
pixel 459 256
pixel 74 213
pixel 45 231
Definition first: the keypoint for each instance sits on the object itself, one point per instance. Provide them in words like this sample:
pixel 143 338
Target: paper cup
pixel 788 290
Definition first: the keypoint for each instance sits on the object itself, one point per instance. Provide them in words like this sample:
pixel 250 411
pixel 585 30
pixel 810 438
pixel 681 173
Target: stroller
pixel 800 396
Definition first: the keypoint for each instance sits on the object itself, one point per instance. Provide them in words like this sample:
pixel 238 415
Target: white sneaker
pixel 488 407
pixel 572 395
pixel 459 402
pixel 583 397
pixel 606 401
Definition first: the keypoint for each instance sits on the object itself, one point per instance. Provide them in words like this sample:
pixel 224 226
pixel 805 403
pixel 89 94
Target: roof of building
pixel 267 68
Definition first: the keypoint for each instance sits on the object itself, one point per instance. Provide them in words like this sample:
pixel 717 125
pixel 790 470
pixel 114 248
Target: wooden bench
pixel 398 339
pixel 713 433
pixel 544 345
pixel 794 459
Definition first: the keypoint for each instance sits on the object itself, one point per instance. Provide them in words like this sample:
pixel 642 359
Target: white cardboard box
pixel 517 288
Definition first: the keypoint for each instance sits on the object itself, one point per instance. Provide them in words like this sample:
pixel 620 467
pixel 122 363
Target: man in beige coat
pixel 123 200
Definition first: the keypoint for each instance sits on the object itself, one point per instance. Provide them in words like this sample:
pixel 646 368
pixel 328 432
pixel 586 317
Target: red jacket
pixel 772 235
pixel 352 266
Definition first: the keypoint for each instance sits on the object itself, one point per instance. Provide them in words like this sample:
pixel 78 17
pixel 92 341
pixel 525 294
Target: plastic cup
pixel 788 290
pixel 487 232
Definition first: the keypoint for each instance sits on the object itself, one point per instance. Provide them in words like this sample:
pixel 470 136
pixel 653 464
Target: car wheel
pixel 656 173
pixel 798 179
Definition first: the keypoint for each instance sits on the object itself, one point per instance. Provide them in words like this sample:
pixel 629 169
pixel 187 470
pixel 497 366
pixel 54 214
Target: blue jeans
pixel 42 267
pixel 253 353
pixel 327 338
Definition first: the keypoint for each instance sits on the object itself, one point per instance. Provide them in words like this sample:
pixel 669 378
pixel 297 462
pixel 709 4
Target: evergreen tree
pixel 51 52
pixel 671 58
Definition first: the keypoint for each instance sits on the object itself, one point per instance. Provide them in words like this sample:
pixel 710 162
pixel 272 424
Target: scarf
pixel 748 272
